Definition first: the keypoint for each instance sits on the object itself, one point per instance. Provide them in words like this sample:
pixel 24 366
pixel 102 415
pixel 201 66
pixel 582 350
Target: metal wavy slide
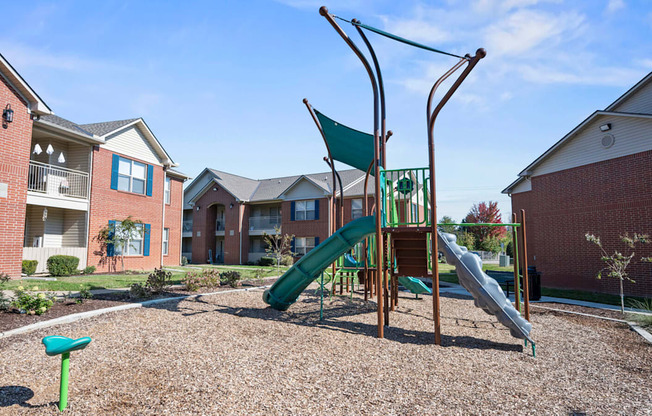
pixel 286 290
pixel 487 293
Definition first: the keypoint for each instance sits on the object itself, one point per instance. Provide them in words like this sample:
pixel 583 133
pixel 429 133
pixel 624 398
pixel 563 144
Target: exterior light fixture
pixel 197 207
pixel 231 206
pixel 8 114
pixel 605 127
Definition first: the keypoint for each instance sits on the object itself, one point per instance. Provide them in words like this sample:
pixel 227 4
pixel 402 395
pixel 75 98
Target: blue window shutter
pixel 293 245
pixel 316 209
pixel 110 250
pixel 148 230
pixel 292 208
pixel 150 177
pixel 316 241
pixel 114 172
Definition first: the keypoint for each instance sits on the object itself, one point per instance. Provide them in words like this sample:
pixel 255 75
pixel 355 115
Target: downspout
pixel 88 211
pixel 165 168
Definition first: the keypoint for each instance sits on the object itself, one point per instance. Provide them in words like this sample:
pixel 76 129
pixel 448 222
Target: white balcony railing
pixel 265 222
pixel 57 181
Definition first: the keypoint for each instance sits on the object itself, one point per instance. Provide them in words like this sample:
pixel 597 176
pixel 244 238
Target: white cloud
pixel 607 76
pixel 24 57
pixel 614 5
pixel 524 30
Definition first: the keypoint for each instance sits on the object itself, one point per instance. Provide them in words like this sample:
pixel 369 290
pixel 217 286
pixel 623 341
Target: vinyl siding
pixel 74 229
pixel 132 143
pixel 304 190
pixel 640 102
pixel 632 135
pixel 76 155
pixel 524 186
pixel 53 228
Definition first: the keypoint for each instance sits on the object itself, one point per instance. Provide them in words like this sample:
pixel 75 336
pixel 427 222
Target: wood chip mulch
pixel 231 354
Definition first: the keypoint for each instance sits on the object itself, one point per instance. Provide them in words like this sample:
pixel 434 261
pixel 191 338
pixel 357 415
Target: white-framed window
pixel 167 190
pixel 302 245
pixel 356 208
pixel 415 213
pixel 134 245
pixel 166 240
pixel 304 210
pixel 132 176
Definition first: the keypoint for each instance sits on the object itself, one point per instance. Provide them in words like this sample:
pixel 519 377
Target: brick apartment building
pixel 597 179
pixel 225 215
pixel 61 182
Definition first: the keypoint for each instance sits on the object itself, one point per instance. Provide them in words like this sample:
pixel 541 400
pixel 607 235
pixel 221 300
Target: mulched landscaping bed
pixel 232 354
pixel 13 319
pixel 582 309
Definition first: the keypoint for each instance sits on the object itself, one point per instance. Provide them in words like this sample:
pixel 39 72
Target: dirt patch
pixel 12 319
pixel 582 309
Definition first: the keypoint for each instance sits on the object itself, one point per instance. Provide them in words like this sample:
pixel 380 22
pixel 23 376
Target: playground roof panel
pixel 347 145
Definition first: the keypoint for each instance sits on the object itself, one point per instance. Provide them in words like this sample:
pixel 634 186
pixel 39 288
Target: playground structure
pixel 400 239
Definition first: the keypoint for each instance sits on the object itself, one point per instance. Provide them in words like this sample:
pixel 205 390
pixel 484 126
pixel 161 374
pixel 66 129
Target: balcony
pixel 186 230
pixel 264 223
pixel 47 182
pixel 219 226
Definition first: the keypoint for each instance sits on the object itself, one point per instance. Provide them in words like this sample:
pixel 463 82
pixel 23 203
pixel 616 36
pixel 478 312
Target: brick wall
pixel 606 199
pixel 203 221
pixel 15 142
pixel 109 204
pixel 173 222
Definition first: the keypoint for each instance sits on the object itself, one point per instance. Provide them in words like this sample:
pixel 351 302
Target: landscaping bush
pixel 231 278
pixel 137 290
pixel 61 265
pixel 158 281
pixel 267 261
pixel 32 304
pixel 287 261
pixel 4 302
pixel 29 267
pixel 184 260
pixel 89 270
pixel 207 278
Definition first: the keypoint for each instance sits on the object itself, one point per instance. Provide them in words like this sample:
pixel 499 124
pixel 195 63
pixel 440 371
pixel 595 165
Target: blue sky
pixel 221 82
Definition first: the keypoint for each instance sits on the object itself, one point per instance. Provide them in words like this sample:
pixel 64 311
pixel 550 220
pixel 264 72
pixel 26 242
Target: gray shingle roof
pixel 62 122
pixel 106 126
pixel 252 190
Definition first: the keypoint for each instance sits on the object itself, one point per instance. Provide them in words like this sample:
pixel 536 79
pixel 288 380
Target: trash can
pixel 503 260
pixel 534 282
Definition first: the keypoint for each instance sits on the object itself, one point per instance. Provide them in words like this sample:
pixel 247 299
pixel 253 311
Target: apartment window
pixel 302 245
pixel 415 213
pixel 167 190
pixel 132 176
pixel 134 246
pixel 356 209
pixel 166 240
pixel 304 210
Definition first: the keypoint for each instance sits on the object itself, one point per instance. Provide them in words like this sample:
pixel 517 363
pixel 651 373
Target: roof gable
pixel 35 104
pixel 637 99
pixel 305 188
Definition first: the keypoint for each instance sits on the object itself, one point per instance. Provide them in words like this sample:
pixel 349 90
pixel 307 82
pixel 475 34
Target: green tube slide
pixel 286 290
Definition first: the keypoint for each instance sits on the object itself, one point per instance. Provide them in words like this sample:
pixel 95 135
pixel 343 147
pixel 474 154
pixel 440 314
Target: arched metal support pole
pixel 333 227
pixel 329 162
pixel 377 161
pixel 480 53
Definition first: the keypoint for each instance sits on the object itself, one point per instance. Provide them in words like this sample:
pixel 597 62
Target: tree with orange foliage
pixel 487 238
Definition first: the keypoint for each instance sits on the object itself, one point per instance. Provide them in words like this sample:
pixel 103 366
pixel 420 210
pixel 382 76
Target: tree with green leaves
pixel 278 245
pixel 445 226
pixel 115 239
pixel 617 263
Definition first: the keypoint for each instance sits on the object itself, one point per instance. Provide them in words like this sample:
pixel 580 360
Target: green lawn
pixel 116 281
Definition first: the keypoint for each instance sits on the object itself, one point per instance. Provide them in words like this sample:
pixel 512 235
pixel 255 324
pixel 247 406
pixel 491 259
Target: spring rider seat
pixel 55 345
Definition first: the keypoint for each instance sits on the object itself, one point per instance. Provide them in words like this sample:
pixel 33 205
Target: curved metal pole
pixel 379 235
pixel 480 53
pixel 381 90
pixel 331 165
pixel 333 227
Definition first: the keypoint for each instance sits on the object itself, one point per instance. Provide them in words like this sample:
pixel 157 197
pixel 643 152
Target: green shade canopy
pixel 347 145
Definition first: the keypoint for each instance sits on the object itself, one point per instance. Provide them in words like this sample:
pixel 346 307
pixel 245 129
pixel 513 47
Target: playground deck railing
pixel 406 197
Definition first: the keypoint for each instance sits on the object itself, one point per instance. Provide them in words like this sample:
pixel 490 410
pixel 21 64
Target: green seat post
pixel 58 345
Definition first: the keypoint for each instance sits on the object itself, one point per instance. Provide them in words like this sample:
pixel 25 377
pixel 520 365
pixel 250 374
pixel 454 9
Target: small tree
pixel 114 238
pixel 278 245
pixel 617 263
pixel 486 213
pixel 445 227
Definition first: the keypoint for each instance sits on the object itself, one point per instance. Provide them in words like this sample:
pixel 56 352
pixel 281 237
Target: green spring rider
pixel 55 345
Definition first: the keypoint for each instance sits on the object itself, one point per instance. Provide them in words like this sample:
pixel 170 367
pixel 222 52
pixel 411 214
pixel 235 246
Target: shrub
pixel 84 294
pixel 207 278
pixel 32 304
pixel 4 302
pixel 231 278
pixel 137 290
pixel 287 261
pixel 267 261
pixel 29 267
pixel 89 270
pixel 642 319
pixel 158 281
pixel 184 260
pixel 61 265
